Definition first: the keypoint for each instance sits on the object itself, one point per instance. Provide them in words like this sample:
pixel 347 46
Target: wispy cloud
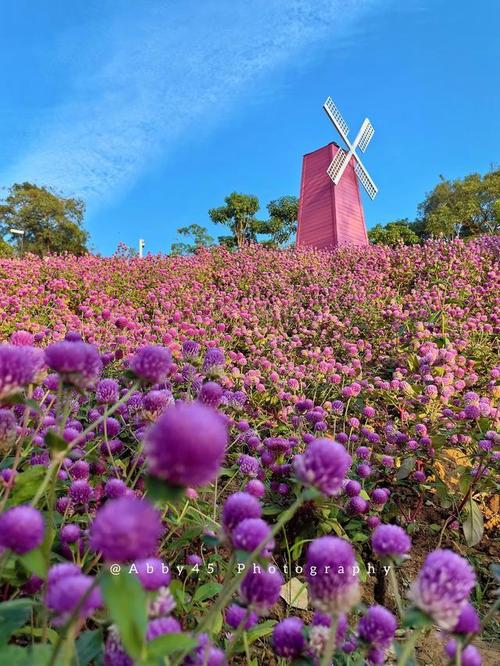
pixel 158 69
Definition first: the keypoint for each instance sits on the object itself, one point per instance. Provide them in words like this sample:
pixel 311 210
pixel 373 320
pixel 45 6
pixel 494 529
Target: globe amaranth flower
pixel 155 403
pixel 151 364
pixel 470 656
pixel 210 394
pixel 468 621
pixel 190 349
pixel 107 392
pixel 323 465
pixel 256 488
pixel 249 465
pixel 78 363
pixel 234 616
pixel 161 626
pixel 22 339
pixel 126 529
pixel 377 627
pixel 260 589
pixel 206 654
pixel 19 367
pixel 249 533
pixel 21 529
pixel 114 652
pixel 332 574
pixel 238 507
pixel 66 587
pixel 288 638
pixel 320 630
pixel 186 445
pixel 8 429
pixel 213 363
pixel 152 573
pixel 442 587
pixel 390 541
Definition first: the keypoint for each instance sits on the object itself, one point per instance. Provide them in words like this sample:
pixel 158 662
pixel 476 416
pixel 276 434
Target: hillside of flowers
pixel 259 457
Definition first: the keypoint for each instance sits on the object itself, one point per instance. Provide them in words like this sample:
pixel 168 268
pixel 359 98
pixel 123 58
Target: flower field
pixel 261 457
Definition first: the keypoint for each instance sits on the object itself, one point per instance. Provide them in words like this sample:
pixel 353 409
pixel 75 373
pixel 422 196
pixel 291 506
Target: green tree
pixel 238 214
pixel 463 207
pixel 393 233
pixel 6 250
pixel 51 223
pixel 199 238
pixel 282 223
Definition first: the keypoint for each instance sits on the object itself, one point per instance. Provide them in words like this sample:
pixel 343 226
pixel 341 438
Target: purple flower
pixel 357 505
pixel 64 595
pixel 377 626
pixel 323 465
pixel 238 507
pixel 78 363
pixel 332 574
pixel 151 364
pixel 390 541
pixel 352 488
pixel 249 465
pixel 205 654
pixel 260 589
pixel 114 652
pixel 21 529
pixel 126 529
pixel 379 496
pixel 152 573
pixel 162 625
pixel 256 488
pixel 443 586
pixel 468 621
pixel 249 533
pixel 18 367
pixel 234 615
pixel 210 394
pixel 70 533
pixel 470 655
pixel 107 392
pixel 7 429
pixel 155 403
pixel 115 488
pixel 288 638
pixel 22 339
pixel 190 349
pixel 186 445
pixel 213 363
pixel 80 491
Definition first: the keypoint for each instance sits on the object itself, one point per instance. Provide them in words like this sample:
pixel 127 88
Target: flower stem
pixel 326 659
pixel 395 589
pixel 409 647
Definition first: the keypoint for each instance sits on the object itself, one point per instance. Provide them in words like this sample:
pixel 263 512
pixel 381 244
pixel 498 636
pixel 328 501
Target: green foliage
pixel 238 214
pixel 126 602
pixel 51 223
pixel 463 207
pixel 13 615
pixel 199 237
pixel 6 250
pixel 282 223
pixel 393 234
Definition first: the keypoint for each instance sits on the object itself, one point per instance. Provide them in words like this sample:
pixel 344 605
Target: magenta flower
pixel 323 465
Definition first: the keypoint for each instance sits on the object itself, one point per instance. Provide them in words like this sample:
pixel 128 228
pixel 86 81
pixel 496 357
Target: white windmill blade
pixel 336 118
pixel 366 181
pixel 366 135
pixel 338 165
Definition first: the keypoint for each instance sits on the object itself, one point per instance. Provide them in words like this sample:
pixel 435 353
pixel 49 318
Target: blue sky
pixel 153 110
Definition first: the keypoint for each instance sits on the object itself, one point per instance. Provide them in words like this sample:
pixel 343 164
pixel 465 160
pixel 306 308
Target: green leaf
pixel 160 491
pixel 406 468
pixel 13 615
pixel 473 525
pixel 88 647
pixel 126 602
pixel 26 485
pixel 207 591
pixel 416 618
pixel 54 441
pixel 37 655
pixel 35 562
pixel 165 645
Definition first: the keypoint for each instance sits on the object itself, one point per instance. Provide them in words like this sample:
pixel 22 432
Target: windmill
pixel 341 160
pixel 330 206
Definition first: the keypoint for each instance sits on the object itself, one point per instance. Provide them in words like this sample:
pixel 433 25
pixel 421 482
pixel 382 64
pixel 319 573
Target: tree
pixel 238 214
pixel 463 207
pixel 282 223
pixel 393 234
pixel 51 222
pixel 6 250
pixel 200 238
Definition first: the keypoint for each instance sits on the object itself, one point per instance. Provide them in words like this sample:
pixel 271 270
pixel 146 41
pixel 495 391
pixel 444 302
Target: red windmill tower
pixel 330 207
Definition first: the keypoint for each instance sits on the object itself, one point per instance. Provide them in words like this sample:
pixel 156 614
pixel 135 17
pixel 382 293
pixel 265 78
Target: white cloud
pixel 159 70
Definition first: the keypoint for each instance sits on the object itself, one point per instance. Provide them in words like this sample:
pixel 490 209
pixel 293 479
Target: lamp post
pixel 142 243
pixel 19 232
